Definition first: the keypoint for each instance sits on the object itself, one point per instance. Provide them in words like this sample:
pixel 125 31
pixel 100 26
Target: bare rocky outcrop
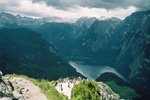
pixel 6 88
pixel 27 89
pixel 15 88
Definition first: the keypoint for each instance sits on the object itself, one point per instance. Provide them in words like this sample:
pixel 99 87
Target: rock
pixel 5 87
pixel 15 88
pixel 26 90
pixel 17 95
pixel 107 93
pixel 6 98
pixel 1 74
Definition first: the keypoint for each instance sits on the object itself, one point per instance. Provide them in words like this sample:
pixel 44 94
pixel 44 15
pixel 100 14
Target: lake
pixel 93 72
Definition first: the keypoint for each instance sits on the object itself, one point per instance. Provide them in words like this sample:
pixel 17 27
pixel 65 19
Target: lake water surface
pixel 93 72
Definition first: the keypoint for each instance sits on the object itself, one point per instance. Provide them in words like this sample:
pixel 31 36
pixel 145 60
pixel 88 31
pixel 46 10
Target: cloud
pixel 41 9
pixel 107 4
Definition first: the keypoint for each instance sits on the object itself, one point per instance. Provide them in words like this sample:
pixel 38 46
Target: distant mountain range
pixel 9 20
pixel 123 45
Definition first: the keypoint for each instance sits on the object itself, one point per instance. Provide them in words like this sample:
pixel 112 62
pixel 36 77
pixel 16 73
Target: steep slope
pixel 133 38
pixel 61 35
pixel 23 51
pixel 134 58
pixel 120 86
pixel 64 36
pixel 82 40
pixel 95 44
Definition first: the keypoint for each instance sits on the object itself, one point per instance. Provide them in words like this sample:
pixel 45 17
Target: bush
pixel 86 90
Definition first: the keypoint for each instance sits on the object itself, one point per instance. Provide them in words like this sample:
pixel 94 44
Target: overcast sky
pixel 74 8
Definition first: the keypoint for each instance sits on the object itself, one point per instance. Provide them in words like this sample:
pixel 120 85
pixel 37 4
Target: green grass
pixel 124 91
pixel 48 88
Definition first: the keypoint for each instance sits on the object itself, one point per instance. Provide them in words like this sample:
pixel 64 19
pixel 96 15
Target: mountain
pixel 10 20
pixel 109 18
pixel 65 35
pixel 61 35
pixel 7 19
pixel 85 22
pixel 60 20
pixel 23 51
pixel 79 39
pixel 115 19
pixel 95 43
pixel 132 36
pixel 123 45
pixel 88 21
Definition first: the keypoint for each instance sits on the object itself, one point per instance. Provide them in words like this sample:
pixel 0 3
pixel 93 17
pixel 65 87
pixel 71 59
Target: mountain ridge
pixel 23 51
pixel 123 45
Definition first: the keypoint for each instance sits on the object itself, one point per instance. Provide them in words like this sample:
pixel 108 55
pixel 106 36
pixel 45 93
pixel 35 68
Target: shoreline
pixel 95 71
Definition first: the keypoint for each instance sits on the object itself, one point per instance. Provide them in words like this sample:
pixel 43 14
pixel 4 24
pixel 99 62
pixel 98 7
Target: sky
pixel 74 8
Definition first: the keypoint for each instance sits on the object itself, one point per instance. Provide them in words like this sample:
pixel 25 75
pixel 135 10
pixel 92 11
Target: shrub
pixel 86 90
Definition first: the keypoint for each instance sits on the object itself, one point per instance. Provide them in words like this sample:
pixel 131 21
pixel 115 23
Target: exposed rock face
pixel 7 91
pixel 26 89
pixel 107 93
pixel 19 89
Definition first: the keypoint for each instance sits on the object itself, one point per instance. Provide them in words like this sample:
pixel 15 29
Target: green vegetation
pixel 25 52
pixel 86 90
pixel 124 91
pixel 48 88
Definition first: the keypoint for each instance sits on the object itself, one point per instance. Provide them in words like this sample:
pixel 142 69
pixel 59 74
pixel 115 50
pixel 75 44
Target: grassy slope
pixel 48 88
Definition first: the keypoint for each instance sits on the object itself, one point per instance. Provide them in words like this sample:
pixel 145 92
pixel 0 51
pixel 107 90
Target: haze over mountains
pixel 121 44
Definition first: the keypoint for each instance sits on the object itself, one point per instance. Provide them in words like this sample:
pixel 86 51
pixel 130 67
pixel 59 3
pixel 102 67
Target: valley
pixel 110 50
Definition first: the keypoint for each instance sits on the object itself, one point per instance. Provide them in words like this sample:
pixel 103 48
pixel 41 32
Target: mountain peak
pixel 103 18
pixel 115 19
pixel 109 18
pixel 85 21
